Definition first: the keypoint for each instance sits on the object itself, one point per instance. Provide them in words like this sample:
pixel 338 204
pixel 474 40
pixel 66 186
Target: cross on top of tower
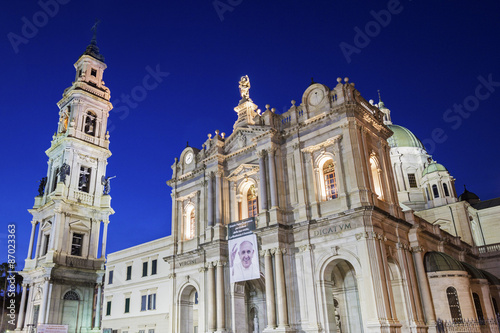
pixel 92 50
pixel 94 30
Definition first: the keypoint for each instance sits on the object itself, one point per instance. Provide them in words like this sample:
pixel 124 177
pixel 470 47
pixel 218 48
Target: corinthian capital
pixel 261 153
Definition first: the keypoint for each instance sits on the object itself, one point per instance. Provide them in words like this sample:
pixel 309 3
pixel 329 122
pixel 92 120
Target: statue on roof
pixel 244 88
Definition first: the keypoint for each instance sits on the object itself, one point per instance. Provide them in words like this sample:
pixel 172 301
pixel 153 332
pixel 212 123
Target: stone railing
pixel 83 197
pixel 489 248
pixel 79 262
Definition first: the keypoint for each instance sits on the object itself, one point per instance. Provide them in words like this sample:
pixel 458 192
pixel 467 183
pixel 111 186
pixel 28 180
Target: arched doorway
pixel 397 284
pixel 341 295
pixel 249 306
pixel 71 310
pixel 188 310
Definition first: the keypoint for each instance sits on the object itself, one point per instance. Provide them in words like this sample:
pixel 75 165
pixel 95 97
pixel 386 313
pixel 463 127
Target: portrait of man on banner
pixel 244 259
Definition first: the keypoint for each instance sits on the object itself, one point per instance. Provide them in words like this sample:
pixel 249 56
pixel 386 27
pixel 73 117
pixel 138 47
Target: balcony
pixel 84 263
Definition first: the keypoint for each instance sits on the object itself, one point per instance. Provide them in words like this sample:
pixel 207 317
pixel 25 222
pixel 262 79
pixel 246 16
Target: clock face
pixel 316 96
pixel 189 158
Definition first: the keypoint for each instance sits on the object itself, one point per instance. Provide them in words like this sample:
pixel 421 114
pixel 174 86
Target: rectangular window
pixel 108 308
pixel 76 245
pixel 142 331
pixel 127 305
pixel 93 72
pixel 412 180
pixel 46 244
pixel 145 269
pixel 144 302
pixel 129 272
pixel 154 264
pixel 152 302
pixel 151 330
pixel 110 277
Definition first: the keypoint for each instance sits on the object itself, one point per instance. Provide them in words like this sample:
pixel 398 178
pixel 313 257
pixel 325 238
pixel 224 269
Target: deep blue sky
pixel 425 60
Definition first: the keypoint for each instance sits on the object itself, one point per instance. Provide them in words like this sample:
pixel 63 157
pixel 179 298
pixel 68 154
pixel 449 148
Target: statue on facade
pixel 244 88
pixel 63 172
pixel 256 323
pixel 106 182
pixel 41 187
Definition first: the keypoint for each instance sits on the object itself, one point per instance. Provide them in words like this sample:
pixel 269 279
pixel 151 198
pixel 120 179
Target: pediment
pixel 81 225
pixel 244 170
pixel 46 225
pixel 240 139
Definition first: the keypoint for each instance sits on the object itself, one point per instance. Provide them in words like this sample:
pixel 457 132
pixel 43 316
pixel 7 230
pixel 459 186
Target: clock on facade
pixel 189 158
pixel 316 96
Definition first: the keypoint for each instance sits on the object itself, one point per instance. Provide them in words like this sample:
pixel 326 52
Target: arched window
pixel 330 180
pixel 435 191
pixel 190 222
pixel 456 313
pixel 89 124
pixel 445 188
pixel 376 176
pixel 477 304
pixel 252 201
pixel 71 296
pixel 247 198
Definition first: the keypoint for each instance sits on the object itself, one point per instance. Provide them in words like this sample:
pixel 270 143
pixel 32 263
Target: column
pixel 97 319
pixel 41 314
pixel 32 239
pixel 20 320
pixel 423 283
pixel 47 306
pixel 104 237
pixel 221 315
pixel 53 230
pixel 270 302
pixel 211 298
pixel 263 182
pixel 281 289
pixel 210 208
pixel 272 178
pixel 218 197
pixel 38 241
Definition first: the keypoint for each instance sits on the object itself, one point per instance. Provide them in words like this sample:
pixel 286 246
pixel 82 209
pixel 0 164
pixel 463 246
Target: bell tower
pixel 65 264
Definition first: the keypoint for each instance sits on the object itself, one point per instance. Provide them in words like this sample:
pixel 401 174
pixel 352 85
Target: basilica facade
pixel 326 218
pixel 357 229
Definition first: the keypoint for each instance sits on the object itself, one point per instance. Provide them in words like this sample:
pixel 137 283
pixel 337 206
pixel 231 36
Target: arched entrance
pixel 397 284
pixel 188 310
pixel 249 306
pixel 341 298
pixel 71 310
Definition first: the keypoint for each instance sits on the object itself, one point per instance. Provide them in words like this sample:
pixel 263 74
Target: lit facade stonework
pixel 342 241
pixel 357 228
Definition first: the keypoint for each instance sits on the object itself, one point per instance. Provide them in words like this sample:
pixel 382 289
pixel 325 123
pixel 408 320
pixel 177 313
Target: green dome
pixel 433 167
pixel 439 261
pixel 403 137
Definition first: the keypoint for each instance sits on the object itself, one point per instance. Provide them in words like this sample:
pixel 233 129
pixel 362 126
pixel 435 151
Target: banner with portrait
pixel 243 251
